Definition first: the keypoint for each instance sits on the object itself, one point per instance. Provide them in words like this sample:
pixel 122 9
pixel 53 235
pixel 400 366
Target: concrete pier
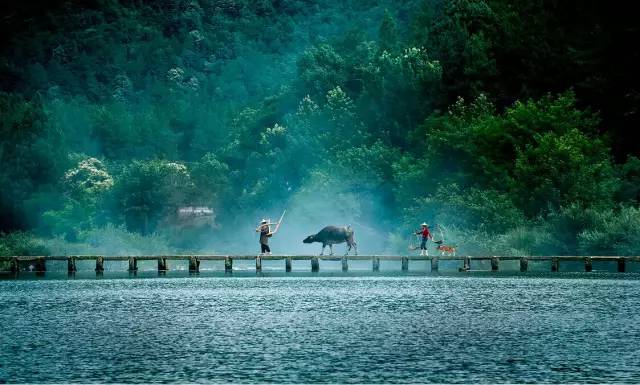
pixel 405 264
pixel 162 264
pixel 133 264
pixel 287 264
pixel 588 265
pixel 434 263
pixel 375 264
pixel 38 264
pixel 524 264
pixel 494 263
pixel 228 264
pixel 194 265
pixel 99 265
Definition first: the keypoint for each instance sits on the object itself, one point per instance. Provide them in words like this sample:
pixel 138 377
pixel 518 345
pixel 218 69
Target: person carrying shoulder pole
pixel 265 233
pixel 426 235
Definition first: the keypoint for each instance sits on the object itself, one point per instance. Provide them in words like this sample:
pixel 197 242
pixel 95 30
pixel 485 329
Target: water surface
pixel 326 328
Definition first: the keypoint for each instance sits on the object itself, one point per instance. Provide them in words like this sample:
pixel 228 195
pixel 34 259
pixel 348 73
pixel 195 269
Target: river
pixel 322 328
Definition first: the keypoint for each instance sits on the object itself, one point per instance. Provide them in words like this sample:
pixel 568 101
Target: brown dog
pixel 444 249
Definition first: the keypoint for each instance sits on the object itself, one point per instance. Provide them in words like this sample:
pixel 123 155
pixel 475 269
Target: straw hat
pixel 424 224
pixel 263 221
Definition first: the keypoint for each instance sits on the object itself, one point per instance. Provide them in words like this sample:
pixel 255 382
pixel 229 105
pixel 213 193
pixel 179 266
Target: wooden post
pixel 71 265
pixel 194 265
pixel 133 264
pixel 287 264
pixel 405 264
pixel 99 265
pixel 621 265
pixel 466 264
pixel 162 264
pixel 258 264
pixel 434 263
pixel 588 265
pixel 524 264
pixel 345 264
pixel 315 265
pixel 376 264
pixel 555 264
pixel 228 264
pixel 494 263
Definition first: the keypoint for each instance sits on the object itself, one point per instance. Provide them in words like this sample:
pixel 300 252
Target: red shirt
pixel 426 233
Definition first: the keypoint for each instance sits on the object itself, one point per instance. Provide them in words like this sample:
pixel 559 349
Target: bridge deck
pixel 38 263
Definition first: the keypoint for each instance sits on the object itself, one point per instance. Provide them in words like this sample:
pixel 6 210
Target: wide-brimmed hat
pixel 424 224
pixel 263 221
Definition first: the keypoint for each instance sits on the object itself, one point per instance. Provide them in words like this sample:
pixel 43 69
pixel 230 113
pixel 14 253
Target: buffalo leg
pixel 323 246
pixel 331 248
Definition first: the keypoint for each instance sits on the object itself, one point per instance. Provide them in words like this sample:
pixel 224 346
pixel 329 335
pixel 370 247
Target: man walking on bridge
pixel 265 233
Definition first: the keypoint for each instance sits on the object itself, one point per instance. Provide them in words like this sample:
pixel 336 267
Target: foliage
pixel 505 122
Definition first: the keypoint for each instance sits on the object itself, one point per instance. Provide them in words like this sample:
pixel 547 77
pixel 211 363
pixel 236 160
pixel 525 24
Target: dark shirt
pixel 264 235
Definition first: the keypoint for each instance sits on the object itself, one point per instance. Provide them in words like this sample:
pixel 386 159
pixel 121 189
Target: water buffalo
pixel 331 235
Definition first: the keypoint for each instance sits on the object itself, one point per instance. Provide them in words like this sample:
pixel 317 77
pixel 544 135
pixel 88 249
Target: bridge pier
pixel 434 263
pixel 194 265
pixel 405 264
pixel 588 265
pixel 162 265
pixel 466 264
pixel 524 264
pixel 315 265
pixel 376 264
pixel 14 266
pixel 494 263
pixel 621 265
pixel 287 264
pixel 228 264
pixel 345 264
pixel 133 264
pixel 99 265
pixel 555 264
pixel 258 264
pixel 71 265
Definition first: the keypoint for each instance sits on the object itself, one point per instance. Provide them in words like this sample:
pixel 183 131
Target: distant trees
pixel 504 121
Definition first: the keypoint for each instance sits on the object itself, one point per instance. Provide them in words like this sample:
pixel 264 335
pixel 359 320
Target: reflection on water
pixel 329 327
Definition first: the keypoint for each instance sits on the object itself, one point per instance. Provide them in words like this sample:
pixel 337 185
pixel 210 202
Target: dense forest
pixel 508 123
